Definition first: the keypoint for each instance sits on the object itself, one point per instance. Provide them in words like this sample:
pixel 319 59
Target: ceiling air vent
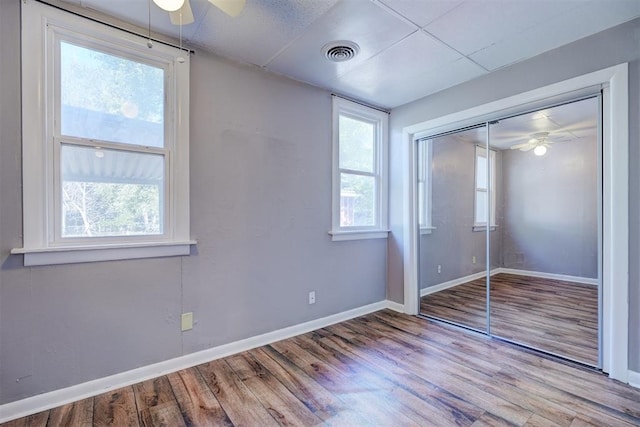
pixel 340 51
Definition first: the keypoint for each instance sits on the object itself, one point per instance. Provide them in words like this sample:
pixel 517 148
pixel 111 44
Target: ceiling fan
pixel 539 143
pixel 181 14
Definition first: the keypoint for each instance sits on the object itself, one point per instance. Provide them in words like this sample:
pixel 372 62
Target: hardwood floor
pixel 383 369
pixel 551 315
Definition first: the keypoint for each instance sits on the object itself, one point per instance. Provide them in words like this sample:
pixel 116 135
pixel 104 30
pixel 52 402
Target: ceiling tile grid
pixel 421 12
pixel 476 25
pixel 261 30
pixel 374 30
pixel 586 18
pixel 419 64
pixel 408 48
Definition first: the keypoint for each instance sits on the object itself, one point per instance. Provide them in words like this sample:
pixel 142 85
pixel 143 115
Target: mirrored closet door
pixel 453 194
pixel 545 292
pixel 526 190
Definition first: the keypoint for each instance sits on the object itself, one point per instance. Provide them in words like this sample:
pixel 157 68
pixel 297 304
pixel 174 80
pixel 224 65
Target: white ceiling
pixel 408 48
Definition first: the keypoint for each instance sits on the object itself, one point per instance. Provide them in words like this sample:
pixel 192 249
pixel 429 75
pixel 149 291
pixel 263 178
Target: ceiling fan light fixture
pixel 540 150
pixel 169 5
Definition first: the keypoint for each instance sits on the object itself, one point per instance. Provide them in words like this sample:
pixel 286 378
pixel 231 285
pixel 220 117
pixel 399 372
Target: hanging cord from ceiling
pixel 109 22
pixel 149 42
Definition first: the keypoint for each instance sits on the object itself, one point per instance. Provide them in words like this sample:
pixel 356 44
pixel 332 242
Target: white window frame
pixel 380 119
pixel 481 152
pixel 42 29
pixel 424 185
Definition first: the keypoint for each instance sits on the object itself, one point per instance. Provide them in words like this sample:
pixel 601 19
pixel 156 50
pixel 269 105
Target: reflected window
pixel 485 178
pixel 425 155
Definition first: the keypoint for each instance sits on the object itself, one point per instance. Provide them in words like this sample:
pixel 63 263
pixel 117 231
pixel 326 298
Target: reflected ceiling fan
pixel 539 143
pixel 181 14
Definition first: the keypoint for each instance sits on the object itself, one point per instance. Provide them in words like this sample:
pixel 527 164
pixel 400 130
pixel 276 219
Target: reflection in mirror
pixel 545 294
pixel 453 195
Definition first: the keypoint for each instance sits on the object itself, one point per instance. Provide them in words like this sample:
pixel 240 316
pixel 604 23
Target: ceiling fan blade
pixel 230 7
pixel 577 127
pixel 187 15
pixel 528 147
pixel 519 146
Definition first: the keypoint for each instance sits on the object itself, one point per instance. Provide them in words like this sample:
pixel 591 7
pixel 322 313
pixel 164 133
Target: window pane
pixel 111 193
pixel 110 98
pixel 481 207
pixel 481 172
pixel 356 144
pixel 357 200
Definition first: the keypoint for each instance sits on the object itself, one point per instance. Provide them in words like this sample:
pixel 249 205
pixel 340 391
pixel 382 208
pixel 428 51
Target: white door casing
pixel 615 198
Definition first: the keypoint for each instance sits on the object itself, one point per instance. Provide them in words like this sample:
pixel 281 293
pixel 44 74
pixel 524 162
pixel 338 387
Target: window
pixel 485 180
pixel 359 171
pixel 105 142
pixel 424 156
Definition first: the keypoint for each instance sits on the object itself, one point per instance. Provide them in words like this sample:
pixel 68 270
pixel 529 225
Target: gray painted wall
pixel 611 47
pixel 260 210
pixel 453 243
pixel 550 210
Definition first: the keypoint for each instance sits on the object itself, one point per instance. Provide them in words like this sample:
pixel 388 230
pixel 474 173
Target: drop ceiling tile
pixel 363 22
pixel 478 24
pixel 422 12
pixel 588 18
pixel 261 30
pixel 394 78
pixel 412 56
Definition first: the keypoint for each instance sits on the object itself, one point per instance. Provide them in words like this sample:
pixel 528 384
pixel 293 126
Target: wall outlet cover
pixel 186 321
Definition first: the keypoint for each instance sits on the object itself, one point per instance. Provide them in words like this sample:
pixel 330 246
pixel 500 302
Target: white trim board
pixel 543 275
pixel 634 379
pixel 452 283
pixel 615 228
pixel 52 399
pixel 395 306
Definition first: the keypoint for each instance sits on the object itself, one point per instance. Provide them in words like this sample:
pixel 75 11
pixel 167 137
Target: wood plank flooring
pixel 551 315
pixel 383 369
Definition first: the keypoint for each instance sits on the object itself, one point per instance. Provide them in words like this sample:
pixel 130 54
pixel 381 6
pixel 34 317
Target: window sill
pixel 77 254
pixel 427 230
pixel 483 228
pixel 338 236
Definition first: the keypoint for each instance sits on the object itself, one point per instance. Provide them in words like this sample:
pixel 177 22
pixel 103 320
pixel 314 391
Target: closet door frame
pixel 613 82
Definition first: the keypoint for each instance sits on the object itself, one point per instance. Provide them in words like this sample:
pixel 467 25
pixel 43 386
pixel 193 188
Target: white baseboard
pixel 52 399
pixel 395 306
pixel 455 282
pixel 543 275
pixel 451 283
pixel 634 379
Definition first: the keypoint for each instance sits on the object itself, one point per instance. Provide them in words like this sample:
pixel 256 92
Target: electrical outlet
pixel 439 269
pixel 186 322
pixel 473 259
pixel 312 297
